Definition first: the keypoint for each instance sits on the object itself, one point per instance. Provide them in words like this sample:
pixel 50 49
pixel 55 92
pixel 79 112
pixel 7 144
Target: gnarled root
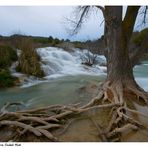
pixel 139 92
pixel 42 121
pixel 120 121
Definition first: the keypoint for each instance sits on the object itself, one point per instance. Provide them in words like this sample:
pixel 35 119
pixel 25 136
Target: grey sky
pixel 46 21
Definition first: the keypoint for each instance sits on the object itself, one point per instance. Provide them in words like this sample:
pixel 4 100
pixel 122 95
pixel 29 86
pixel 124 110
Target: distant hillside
pixel 16 39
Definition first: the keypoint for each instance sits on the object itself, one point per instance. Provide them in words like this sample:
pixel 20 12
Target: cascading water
pixel 57 62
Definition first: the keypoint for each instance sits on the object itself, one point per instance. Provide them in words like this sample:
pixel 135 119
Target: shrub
pixel 29 60
pixel 78 44
pixel 7 56
pixel 88 58
pixel 42 40
pixel 50 39
pixel 6 80
pixel 55 41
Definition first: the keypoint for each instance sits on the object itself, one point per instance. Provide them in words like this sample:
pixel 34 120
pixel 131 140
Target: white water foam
pixel 56 62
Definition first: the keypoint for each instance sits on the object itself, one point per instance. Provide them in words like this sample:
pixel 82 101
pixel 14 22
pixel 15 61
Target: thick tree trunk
pixel 117 35
pixel 118 63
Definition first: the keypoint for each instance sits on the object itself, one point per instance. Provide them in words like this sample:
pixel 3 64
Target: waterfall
pixel 57 62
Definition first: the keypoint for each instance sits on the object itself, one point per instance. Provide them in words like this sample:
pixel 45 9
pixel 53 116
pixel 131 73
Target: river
pixel 65 77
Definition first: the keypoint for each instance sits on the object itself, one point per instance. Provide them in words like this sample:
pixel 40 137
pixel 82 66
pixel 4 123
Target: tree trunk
pixel 118 63
pixel 117 35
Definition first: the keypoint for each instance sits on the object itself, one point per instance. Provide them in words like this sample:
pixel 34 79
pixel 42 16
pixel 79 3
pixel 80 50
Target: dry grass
pixel 29 59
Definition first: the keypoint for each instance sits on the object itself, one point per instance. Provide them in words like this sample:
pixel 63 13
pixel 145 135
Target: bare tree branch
pixel 102 9
pixel 88 58
pixel 81 14
pixel 144 16
pixel 83 11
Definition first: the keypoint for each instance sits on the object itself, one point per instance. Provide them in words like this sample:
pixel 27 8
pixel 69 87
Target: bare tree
pixel 88 58
pixel 117 35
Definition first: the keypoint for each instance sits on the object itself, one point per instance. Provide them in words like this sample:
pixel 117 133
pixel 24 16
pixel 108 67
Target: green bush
pixel 42 40
pixel 78 44
pixel 50 39
pixel 6 80
pixel 7 56
pixel 55 41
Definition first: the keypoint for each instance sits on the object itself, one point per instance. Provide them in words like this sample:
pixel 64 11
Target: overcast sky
pixel 46 21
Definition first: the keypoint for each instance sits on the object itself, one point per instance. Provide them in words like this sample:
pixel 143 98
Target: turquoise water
pixel 141 70
pixel 141 74
pixel 62 90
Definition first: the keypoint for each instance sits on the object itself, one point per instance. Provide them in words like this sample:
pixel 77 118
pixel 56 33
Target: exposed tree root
pixel 140 93
pixel 21 125
pixel 42 121
pixel 122 129
pixel 101 133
